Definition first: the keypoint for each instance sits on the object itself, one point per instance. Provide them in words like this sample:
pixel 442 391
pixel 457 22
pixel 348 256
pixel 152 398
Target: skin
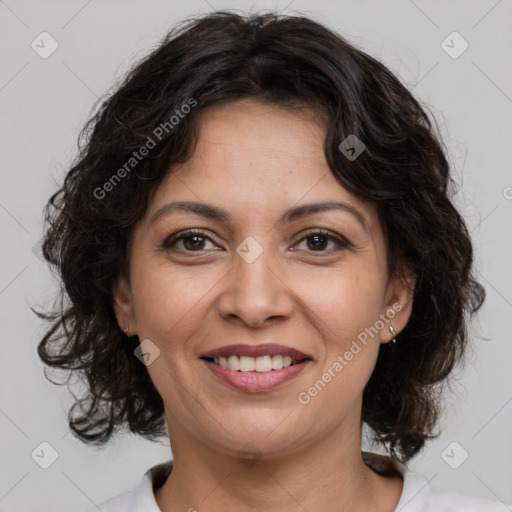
pixel 256 160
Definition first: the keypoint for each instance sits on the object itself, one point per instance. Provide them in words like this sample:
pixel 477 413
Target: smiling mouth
pixel 262 364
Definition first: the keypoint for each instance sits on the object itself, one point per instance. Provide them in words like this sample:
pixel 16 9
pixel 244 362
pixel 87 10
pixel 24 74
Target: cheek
pixel 346 301
pixel 168 300
pixel 345 306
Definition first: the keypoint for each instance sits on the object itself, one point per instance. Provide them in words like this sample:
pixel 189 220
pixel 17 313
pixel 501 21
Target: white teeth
pixel 263 364
pixel 277 362
pixel 250 364
pixel 232 363
pixel 246 364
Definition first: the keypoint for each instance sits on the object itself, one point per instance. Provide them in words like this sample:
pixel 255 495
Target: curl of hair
pixel 284 60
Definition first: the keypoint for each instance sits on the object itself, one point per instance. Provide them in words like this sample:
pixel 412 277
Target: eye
pixel 193 241
pixel 317 241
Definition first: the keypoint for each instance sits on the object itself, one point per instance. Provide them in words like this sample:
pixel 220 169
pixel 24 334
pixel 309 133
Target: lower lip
pixel 256 382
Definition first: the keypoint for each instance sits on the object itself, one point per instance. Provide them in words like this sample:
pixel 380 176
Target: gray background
pixel 45 102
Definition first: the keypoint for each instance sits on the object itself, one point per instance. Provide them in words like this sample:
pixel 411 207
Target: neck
pixel 331 475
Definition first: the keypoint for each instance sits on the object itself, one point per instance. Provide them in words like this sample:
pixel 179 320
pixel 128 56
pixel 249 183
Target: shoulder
pixel 141 498
pixel 418 495
pixel 124 502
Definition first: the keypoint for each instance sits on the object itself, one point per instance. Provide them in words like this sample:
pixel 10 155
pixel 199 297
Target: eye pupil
pixel 199 240
pixel 316 243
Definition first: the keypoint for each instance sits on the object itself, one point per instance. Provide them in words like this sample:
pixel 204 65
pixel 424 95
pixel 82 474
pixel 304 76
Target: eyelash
pixel 190 233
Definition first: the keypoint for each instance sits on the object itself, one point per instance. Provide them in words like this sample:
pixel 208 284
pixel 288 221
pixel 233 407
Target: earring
pixel 125 330
pixel 393 332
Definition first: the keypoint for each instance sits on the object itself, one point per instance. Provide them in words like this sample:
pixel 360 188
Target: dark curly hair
pixel 284 60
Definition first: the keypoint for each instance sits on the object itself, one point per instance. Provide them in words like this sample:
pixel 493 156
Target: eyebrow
pixel 297 212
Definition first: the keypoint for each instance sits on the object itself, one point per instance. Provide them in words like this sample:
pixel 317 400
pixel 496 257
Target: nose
pixel 255 293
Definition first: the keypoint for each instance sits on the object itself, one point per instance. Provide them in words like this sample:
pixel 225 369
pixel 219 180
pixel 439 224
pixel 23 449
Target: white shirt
pixel 417 496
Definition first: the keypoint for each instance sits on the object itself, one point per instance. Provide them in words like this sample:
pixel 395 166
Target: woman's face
pixel 255 274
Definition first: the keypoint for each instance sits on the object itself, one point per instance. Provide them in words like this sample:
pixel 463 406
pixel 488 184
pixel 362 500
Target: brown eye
pixel 317 241
pixel 192 241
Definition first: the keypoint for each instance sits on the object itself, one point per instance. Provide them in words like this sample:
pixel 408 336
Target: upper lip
pixel 266 349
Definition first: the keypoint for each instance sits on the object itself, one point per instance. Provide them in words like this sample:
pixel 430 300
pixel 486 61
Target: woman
pixel 260 257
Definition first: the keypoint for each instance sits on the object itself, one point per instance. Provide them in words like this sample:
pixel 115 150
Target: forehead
pixel 258 158
pixel 258 141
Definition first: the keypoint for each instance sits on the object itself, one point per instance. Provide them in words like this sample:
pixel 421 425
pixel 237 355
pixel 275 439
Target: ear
pixel 123 305
pixel 398 302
